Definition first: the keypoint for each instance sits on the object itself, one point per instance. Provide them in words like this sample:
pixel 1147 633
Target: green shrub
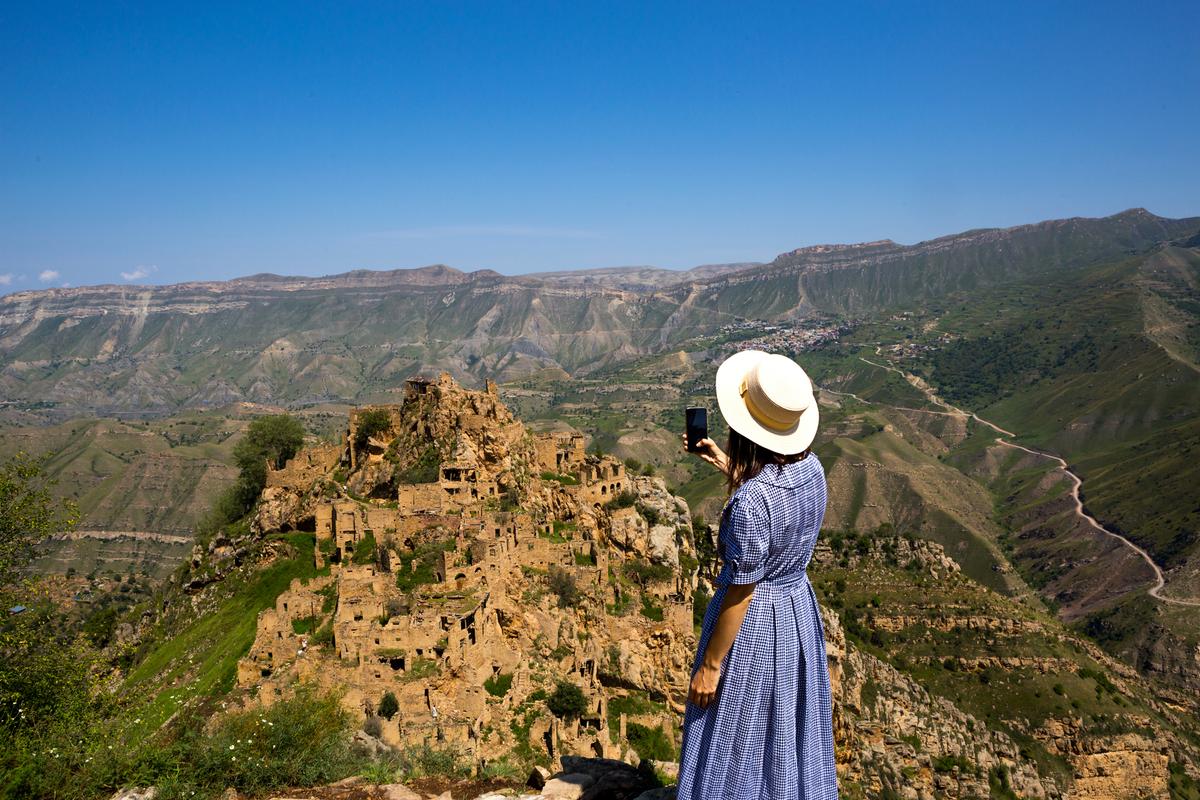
pixel 364 553
pixel 420 668
pixel 388 705
pixel 423 761
pixel 651 743
pixel 322 635
pixel 645 573
pixel 700 601
pixel 425 469
pixel 270 440
pixel 650 610
pixel 562 583
pixel 425 558
pixel 624 500
pixel 949 763
pixel 651 516
pixel 371 422
pixel 567 702
pixel 329 593
pixel 498 685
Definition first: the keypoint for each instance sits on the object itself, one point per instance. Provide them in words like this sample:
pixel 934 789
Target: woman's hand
pixel 708 451
pixel 703 691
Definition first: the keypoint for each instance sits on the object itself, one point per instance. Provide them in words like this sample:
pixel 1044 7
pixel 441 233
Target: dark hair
pixel 747 459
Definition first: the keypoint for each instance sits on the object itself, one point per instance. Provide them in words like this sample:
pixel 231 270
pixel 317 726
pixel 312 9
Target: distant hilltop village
pixel 466 568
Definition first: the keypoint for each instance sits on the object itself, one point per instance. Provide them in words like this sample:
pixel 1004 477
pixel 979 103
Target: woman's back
pixel 769 734
pixel 791 500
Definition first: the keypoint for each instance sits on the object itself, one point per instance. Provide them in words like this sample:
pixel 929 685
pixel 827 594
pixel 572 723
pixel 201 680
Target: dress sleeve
pixel 745 538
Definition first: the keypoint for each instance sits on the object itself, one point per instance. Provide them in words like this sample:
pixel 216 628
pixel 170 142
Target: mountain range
pixel 349 337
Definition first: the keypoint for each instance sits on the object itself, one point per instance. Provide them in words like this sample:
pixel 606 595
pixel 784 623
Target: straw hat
pixel 768 399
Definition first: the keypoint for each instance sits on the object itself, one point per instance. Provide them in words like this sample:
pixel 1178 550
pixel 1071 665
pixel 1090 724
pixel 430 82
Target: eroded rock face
pixel 522 588
pixel 874 731
pixel 658 527
pixel 472 567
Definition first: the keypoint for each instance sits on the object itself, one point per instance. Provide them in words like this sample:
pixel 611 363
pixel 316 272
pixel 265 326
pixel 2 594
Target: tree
pixel 645 573
pixel 563 585
pixel 371 422
pixel 567 702
pixel 28 514
pixel 269 440
pixel 388 705
pixel 45 671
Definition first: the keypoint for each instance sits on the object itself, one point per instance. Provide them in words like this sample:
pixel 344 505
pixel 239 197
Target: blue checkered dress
pixel 769 735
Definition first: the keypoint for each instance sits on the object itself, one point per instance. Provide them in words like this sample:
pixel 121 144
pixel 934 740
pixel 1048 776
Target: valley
pixel 1009 429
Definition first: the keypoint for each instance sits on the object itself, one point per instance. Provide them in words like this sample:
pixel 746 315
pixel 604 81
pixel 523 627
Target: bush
pixel 373 727
pixel 564 586
pixel 700 601
pixel 624 500
pixel 424 470
pixel 388 706
pixel 649 514
pixel 371 422
pixel 645 573
pixel 365 552
pixel 425 761
pixel 650 610
pixel 269 441
pixel 322 635
pixel 651 743
pixel 567 702
pixel 498 685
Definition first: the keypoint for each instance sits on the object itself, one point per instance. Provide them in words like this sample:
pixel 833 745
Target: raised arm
pixel 710 452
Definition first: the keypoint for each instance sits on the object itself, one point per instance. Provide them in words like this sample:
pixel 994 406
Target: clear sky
pixel 162 142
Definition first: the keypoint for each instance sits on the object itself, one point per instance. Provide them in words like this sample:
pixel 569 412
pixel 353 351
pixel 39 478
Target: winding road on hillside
pixel 951 410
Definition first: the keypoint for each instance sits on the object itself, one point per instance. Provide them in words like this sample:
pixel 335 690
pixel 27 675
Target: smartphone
pixel 697 426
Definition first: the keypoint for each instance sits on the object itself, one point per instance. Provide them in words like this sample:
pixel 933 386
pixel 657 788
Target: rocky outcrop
pixel 660 530
pixel 893 736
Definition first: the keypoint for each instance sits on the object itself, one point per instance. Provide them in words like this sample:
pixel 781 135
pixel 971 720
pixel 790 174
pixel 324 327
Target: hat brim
pixel 795 439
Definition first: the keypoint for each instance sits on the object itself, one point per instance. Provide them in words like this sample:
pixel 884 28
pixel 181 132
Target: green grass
pixel 198 657
pixel 942 657
pixel 498 685
pixel 424 557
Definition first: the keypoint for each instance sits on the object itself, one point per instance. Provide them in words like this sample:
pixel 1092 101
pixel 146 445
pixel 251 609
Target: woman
pixel 758 721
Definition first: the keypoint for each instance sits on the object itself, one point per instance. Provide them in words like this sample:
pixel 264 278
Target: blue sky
pixel 167 142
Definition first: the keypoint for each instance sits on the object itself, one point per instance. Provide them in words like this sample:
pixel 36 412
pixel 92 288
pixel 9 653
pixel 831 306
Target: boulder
pixel 568 786
pixel 398 791
pixel 538 777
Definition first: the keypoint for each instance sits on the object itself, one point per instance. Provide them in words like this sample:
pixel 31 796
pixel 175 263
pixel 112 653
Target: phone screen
pixel 697 426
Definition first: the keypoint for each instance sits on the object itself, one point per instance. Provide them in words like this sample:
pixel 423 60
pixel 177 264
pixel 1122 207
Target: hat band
pixel 761 416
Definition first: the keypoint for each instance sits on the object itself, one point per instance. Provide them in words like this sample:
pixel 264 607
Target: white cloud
pixel 518 231
pixel 48 275
pixel 6 279
pixel 139 273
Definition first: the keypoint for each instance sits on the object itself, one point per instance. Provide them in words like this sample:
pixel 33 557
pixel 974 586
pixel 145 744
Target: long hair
pixel 747 459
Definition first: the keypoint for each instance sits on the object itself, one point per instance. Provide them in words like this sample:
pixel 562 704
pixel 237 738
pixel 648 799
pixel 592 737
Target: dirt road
pixel 920 385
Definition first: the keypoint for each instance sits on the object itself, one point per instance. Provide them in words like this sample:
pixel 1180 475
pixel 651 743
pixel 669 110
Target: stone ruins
pixel 466 568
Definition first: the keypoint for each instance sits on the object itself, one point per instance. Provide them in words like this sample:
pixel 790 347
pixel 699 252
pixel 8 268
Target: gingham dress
pixel 769 734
